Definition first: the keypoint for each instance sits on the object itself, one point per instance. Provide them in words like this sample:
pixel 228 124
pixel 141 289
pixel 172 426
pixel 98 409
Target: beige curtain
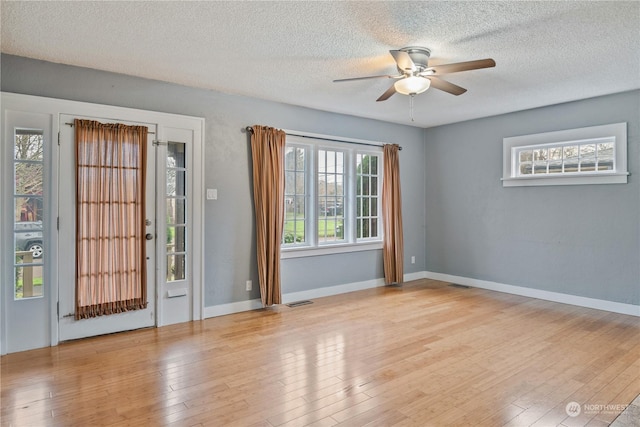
pixel 267 148
pixel 110 218
pixel 393 246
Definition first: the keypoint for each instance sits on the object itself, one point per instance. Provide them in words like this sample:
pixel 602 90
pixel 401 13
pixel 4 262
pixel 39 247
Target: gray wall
pixel 229 234
pixel 581 240
pixel 459 220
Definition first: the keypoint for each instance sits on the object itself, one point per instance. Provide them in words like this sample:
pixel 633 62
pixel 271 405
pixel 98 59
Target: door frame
pixel 54 108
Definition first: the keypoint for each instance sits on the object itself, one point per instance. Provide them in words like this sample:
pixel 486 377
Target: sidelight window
pixel 28 203
pixel 176 203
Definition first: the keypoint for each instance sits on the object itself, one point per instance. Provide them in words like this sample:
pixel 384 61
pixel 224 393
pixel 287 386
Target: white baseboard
pixel 237 307
pixel 615 307
pixel 232 307
pixel 415 276
pixel 331 290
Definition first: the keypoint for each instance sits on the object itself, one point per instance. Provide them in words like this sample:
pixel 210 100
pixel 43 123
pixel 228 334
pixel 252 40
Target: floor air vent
pixel 299 303
pixel 455 285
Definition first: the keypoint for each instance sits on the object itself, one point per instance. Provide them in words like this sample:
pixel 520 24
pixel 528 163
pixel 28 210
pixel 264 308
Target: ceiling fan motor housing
pixel 419 56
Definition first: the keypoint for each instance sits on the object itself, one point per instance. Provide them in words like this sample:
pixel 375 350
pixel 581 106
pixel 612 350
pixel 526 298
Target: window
pixel 28 174
pixel 295 195
pixel 367 196
pixel 176 211
pixel 332 197
pixel 568 158
pixel 593 155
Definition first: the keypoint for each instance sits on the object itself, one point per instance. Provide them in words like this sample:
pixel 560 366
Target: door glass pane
pixel 28 240
pixel 28 178
pixel 171 182
pixel 175 211
pixel 176 182
pixel 175 239
pixel 175 155
pixel 28 282
pixel 175 267
pixel 29 145
pixel 28 209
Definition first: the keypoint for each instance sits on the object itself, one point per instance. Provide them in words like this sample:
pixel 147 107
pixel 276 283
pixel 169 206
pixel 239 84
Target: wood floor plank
pixel 424 354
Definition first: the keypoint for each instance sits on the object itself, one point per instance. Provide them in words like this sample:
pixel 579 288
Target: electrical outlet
pixel 413 260
pixel 249 285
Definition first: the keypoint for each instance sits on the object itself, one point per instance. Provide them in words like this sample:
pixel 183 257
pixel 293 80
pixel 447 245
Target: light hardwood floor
pixel 419 355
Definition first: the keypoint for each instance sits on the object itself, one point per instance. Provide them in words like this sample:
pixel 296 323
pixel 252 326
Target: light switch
pixel 212 194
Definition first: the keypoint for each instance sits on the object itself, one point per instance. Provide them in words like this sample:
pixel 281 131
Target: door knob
pixel 149 236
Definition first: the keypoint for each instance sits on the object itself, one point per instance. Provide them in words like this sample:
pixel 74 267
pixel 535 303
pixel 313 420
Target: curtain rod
pixel 249 129
pixel 71 124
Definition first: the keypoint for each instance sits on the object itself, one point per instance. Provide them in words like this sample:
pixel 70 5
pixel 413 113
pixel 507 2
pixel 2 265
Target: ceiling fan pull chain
pixel 411 105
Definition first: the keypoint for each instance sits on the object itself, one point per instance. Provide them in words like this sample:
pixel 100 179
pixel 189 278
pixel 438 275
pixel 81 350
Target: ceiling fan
pixel 415 75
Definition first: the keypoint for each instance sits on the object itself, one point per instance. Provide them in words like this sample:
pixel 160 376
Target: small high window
pixel 593 155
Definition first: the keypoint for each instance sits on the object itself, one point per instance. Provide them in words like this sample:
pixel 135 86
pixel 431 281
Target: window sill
pixel 596 178
pixel 300 252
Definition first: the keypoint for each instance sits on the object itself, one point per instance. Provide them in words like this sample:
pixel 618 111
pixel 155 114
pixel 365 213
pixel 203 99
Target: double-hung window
pixel 332 197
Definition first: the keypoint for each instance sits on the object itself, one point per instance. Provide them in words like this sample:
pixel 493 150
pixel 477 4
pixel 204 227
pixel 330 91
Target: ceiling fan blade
pixel 403 60
pixel 462 66
pixel 367 77
pixel 446 86
pixel 387 94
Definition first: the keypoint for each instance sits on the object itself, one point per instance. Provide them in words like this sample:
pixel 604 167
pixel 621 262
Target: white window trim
pixel 337 248
pixel 564 137
pixel 313 247
pixel 309 192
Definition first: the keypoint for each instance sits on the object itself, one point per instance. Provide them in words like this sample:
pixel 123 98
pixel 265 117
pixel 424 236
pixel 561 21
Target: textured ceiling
pixel 546 52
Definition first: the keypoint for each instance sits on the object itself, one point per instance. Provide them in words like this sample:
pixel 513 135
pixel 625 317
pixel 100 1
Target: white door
pixel 69 328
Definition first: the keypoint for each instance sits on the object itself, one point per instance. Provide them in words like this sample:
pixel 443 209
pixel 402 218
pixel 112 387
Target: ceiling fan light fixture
pixel 412 85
